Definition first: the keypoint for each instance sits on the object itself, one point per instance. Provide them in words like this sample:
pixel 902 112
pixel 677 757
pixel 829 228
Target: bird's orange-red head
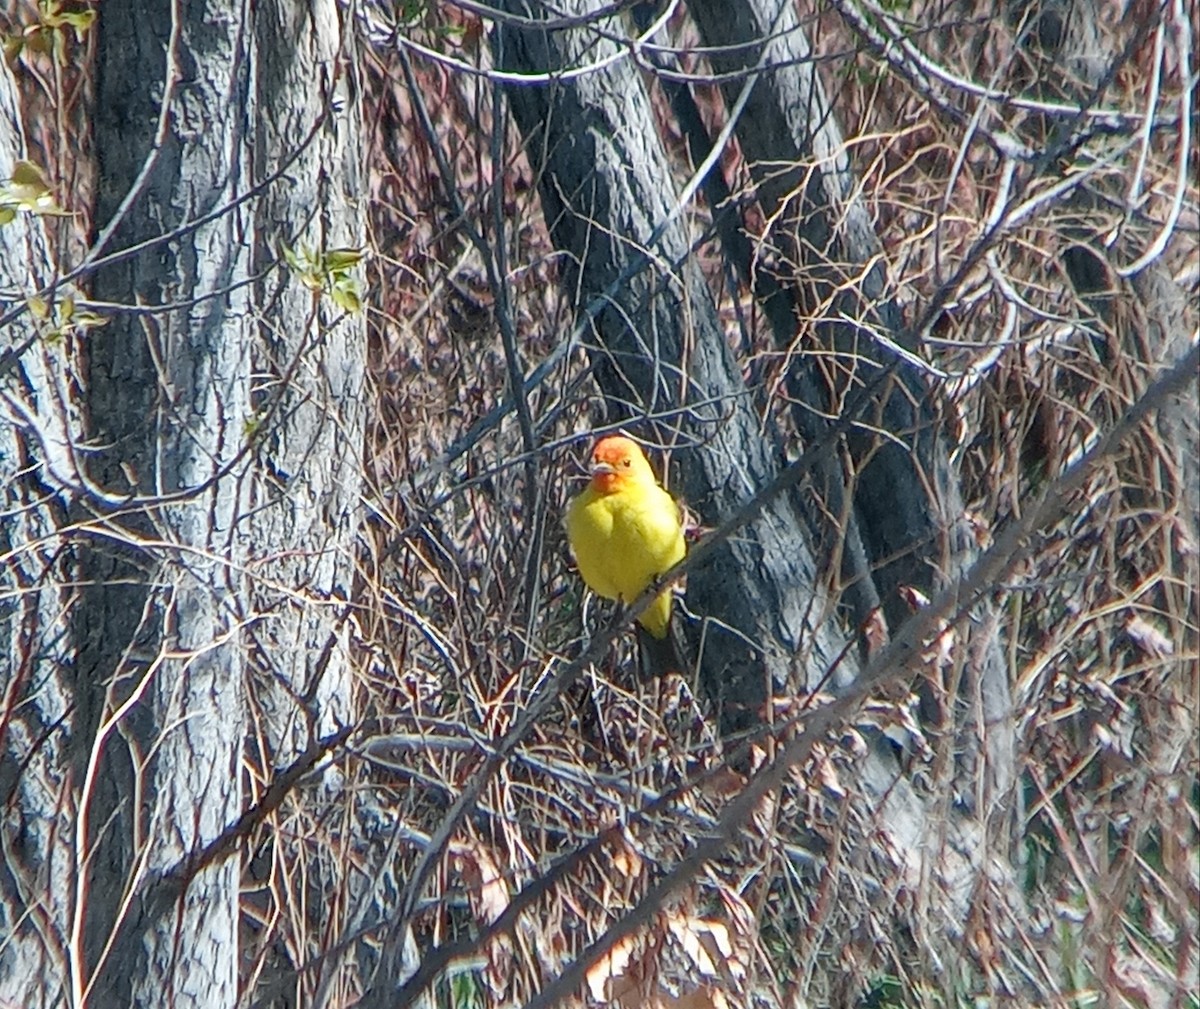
pixel 618 461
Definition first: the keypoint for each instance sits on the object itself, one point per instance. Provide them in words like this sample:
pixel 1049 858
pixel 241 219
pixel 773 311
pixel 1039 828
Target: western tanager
pixel 625 530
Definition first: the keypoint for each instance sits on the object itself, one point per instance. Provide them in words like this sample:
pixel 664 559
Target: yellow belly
pixel 622 541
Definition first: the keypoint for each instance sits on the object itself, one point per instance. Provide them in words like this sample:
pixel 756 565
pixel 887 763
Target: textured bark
pixel 1068 58
pixel 1165 321
pixel 832 521
pixel 130 583
pixel 1147 322
pixel 906 494
pixel 35 648
pixel 660 357
pixel 308 362
pixel 168 402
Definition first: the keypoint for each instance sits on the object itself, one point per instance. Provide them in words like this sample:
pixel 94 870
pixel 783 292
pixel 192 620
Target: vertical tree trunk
pixel 906 494
pixel 308 362
pixel 209 508
pixel 35 644
pixel 662 354
pixel 163 569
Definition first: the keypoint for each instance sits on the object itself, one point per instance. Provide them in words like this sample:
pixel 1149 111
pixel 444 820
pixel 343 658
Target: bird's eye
pixel 626 463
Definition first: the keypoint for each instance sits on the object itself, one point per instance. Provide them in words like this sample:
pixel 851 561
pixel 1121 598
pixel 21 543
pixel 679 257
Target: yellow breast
pixel 622 540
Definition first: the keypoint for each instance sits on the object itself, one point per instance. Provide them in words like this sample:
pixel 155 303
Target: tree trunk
pixel 35 644
pixel 308 362
pixel 163 560
pixel 661 358
pixel 906 495
pixel 209 507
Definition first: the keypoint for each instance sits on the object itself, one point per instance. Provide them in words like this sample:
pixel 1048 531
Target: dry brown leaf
pixel 916 599
pixel 624 975
pixel 898 721
pixel 704 943
pixel 487 889
pixel 625 858
pixel 828 776
pixel 610 967
pixel 487 893
pixel 875 631
pixel 743 920
pixel 979 529
pixel 709 945
pixel 700 998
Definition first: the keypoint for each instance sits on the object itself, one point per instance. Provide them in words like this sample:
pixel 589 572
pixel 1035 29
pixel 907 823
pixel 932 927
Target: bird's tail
pixel 660 656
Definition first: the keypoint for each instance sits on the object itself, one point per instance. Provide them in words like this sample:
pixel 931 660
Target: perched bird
pixel 625 530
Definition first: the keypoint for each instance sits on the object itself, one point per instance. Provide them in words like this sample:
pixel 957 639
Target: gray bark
pixel 1068 59
pixel 832 521
pixel 660 357
pixel 35 650
pixel 309 365
pixel 906 498
pixel 906 494
pixel 168 401
pixel 1142 322
pixel 126 595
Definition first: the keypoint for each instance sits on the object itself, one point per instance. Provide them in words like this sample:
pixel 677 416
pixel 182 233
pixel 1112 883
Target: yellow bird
pixel 625 530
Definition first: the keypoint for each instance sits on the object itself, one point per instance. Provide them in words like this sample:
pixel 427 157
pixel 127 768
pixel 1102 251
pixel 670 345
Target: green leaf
pixel 28 190
pixel 80 21
pixel 38 40
pixel 343 259
pixel 13 44
pixel 348 297
pixel 84 321
pixel 26 173
pixel 289 256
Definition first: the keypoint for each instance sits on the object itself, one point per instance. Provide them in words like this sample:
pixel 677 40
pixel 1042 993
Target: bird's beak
pixel 599 468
